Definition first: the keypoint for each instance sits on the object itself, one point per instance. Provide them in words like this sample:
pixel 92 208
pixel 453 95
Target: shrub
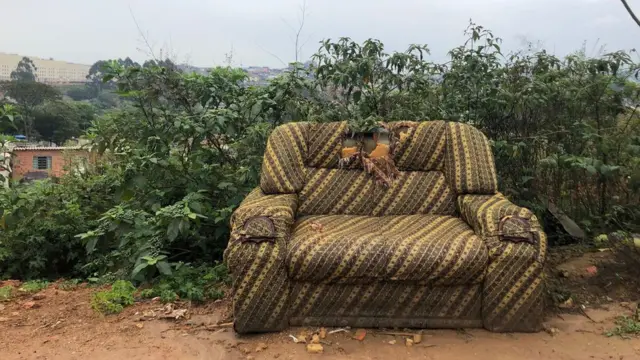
pixel 114 300
pixel 40 222
pixel 190 283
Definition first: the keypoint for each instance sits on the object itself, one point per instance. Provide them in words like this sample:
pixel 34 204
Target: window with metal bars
pixel 42 162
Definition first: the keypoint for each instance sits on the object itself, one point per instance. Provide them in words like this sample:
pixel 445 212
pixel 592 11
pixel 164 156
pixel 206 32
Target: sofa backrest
pixel 436 160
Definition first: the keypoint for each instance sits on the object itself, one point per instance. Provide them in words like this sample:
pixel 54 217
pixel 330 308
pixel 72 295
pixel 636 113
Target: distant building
pixel 48 71
pixel 38 162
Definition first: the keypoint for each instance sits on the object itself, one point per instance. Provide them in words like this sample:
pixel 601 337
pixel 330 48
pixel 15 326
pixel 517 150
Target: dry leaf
pixel 592 270
pixel 315 339
pixel 568 304
pixel 302 337
pixel 417 338
pixel 29 305
pixel 322 333
pixel 175 314
pixel 408 342
pixel 315 348
pixel 360 334
pixel 551 330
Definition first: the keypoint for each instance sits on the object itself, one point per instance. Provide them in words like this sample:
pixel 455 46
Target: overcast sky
pixel 201 32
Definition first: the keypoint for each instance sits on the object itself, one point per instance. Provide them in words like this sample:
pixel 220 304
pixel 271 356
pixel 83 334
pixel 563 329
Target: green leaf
pixel 138 268
pixel 526 179
pixel 192 216
pixel 196 206
pixel 174 229
pixel 548 162
pixel 255 109
pixel 164 268
pixel 91 244
pixel 224 185
pixel 357 95
pixel 184 226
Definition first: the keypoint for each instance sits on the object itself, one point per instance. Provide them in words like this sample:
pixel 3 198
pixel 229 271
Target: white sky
pixel 201 32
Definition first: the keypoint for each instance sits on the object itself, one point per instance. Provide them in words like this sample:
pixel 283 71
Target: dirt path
pixel 63 326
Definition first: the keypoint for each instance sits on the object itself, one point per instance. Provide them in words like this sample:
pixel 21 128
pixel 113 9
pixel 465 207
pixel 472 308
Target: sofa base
pixel 385 304
pixel 377 322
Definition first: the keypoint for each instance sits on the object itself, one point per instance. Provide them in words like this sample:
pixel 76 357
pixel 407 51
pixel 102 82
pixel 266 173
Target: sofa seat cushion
pixel 351 249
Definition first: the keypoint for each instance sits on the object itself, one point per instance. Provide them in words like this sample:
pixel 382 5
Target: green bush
pixel 114 300
pixel 80 93
pixel 190 283
pixel 40 221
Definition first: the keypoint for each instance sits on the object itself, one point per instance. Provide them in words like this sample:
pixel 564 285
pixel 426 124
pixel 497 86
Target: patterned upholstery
pixel 513 286
pixel 337 191
pixel 386 304
pixel 425 249
pixel 324 243
pixel 469 164
pixel 280 209
pixel 423 148
pixel 325 144
pixel 415 192
pixel 284 159
pixel 260 281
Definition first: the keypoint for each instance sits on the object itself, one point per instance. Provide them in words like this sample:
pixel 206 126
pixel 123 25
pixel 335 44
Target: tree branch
pixel 633 16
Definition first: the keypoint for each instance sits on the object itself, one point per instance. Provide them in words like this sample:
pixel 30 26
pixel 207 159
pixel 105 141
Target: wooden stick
pixel 398 333
pixel 218 326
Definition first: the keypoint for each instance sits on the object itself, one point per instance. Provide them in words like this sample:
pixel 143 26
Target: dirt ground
pixel 62 325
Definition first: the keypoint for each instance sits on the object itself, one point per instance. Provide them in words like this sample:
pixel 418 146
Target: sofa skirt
pixel 390 304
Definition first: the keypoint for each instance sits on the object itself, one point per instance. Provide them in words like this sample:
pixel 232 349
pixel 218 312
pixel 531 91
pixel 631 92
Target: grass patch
pixel 68 285
pixel 626 327
pixel 113 301
pixel 6 292
pixel 34 286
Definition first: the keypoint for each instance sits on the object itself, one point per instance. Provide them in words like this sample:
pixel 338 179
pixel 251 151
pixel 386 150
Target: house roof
pixel 25 148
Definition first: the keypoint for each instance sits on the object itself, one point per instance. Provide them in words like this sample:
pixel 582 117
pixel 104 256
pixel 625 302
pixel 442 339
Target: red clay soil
pixel 62 325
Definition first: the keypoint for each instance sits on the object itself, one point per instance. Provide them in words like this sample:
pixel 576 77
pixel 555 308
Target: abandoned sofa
pixel 318 244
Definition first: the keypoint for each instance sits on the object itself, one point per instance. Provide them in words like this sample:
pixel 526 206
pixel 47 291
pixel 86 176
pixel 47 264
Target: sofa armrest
pixel 494 217
pixel 513 288
pixel 255 256
pixel 263 217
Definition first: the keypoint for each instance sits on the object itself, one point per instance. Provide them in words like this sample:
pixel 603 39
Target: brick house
pixel 37 162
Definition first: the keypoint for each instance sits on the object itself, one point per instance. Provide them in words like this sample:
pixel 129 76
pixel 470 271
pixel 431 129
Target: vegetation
pixel 189 283
pixel 34 286
pixel 114 300
pixel 6 292
pixel 180 150
pixel 625 327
